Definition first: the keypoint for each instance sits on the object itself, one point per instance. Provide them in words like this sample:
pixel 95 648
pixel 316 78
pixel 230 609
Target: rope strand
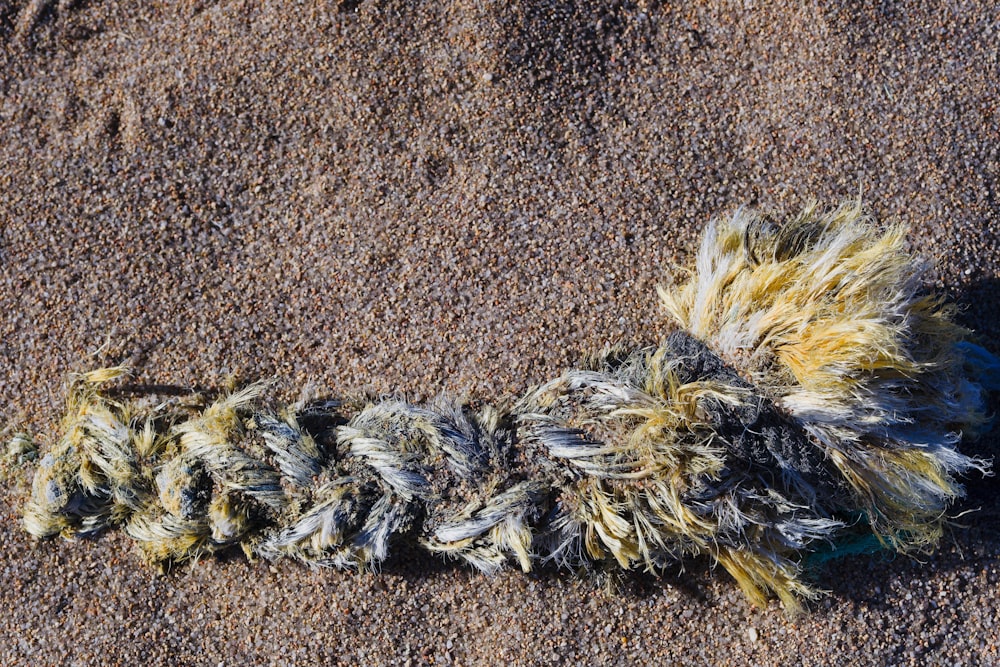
pixel 809 382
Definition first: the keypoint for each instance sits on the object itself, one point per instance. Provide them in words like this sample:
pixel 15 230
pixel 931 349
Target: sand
pixel 464 197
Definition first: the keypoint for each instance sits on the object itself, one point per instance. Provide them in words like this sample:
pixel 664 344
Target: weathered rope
pixel 811 392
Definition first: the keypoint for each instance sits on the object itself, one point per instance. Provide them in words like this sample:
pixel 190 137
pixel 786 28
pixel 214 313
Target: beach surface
pixel 417 198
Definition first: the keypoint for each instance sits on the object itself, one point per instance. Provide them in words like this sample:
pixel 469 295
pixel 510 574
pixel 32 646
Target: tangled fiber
pixel 812 394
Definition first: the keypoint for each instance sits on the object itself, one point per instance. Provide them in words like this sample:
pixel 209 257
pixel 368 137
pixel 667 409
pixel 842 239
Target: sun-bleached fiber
pixel 298 456
pixel 812 396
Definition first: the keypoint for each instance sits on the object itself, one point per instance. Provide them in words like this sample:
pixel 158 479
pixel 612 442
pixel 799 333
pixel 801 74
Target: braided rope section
pixel 811 392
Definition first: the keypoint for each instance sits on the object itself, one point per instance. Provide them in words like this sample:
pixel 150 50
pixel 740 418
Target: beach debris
pixel 813 394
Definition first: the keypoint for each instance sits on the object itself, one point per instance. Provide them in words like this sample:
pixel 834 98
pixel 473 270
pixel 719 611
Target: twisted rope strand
pixel 810 381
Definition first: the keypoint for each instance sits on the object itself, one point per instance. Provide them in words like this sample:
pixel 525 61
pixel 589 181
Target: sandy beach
pixel 415 198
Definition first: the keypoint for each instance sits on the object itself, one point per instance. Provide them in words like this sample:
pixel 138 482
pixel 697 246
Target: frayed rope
pixel 811 378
